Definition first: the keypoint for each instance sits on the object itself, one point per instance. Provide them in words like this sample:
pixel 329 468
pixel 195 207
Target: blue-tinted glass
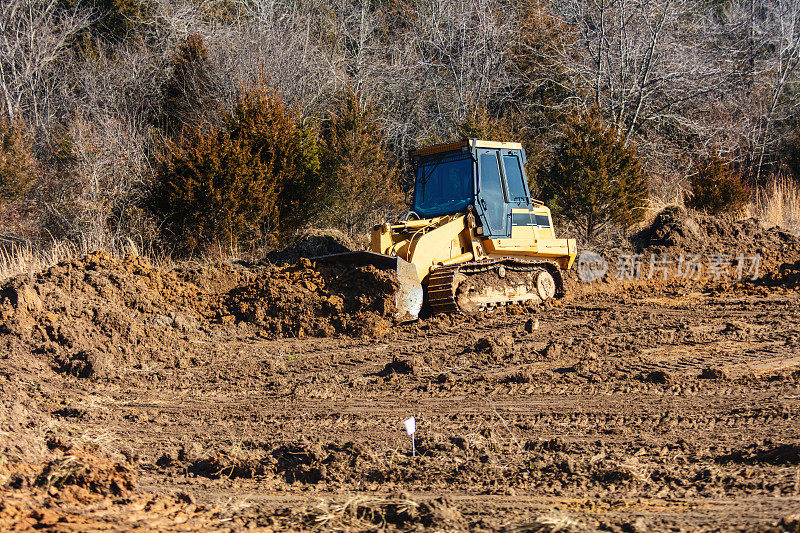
pixel 516 185
pixel 542 221
pixel 443 187
pixel 492 193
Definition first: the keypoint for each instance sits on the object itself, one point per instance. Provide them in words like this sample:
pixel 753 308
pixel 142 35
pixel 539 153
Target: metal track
pixel 442 290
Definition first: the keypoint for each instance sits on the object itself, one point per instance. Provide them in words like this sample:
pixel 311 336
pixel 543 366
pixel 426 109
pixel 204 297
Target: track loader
pixel 474 238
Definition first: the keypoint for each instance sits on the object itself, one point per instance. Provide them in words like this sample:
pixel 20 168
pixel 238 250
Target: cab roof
pixel 466 143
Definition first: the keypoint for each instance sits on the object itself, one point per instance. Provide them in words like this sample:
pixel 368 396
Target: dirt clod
pixel 658 376
pixel 401 366
pixel 713 373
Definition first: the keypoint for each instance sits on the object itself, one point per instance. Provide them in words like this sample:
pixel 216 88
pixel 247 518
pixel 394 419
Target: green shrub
pixel 595 179
pixel 361 179
pixel 240 182
pixel 716 188
pixel 16 161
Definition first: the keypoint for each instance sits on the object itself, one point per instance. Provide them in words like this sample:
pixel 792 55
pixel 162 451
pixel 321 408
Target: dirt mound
pixel 96 316
pixel 688 248
pixel 304 462
pixel 676 229
pixel 90 316
pixel 403 366
pixel 301 300
pixel 671 227
pixel 312 243
pixel 85 491
pixel 71 474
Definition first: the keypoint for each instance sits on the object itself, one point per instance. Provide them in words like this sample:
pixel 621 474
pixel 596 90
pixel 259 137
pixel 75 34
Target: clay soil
pixel 235 396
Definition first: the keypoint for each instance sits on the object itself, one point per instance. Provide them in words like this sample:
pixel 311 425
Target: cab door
pixel 492 204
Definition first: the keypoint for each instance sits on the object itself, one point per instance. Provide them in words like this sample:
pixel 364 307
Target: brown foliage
pixel 716 187
pixel 482 124
pixel 213 190
pixel 288 150
pixel 224 186
pixel 16 161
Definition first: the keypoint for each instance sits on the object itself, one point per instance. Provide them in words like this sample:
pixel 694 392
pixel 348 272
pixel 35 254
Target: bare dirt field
pixel 236 396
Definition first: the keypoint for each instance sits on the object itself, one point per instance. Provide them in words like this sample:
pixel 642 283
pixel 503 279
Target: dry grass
pixel 777 204
pixel 362 512
pixel 26 258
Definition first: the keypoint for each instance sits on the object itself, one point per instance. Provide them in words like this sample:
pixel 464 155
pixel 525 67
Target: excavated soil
pixel 237 396
pixel 312 243
pixel 102 317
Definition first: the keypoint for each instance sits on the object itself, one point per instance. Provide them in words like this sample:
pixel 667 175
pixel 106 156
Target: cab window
pixel 443 185
pixel 516 183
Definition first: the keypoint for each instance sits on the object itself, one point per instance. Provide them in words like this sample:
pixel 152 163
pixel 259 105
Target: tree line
pixel 195 124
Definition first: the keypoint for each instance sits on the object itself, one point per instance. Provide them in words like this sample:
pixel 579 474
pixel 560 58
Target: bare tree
pixel 644 60
pixel 464 53
pixel 779 35
pixel 35 36
pixel 96 200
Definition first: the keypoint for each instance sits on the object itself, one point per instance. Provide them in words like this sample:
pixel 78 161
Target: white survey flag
pixel 411 425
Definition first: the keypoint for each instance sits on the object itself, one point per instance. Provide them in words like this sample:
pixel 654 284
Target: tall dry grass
pixel 777 204
pixel 26 258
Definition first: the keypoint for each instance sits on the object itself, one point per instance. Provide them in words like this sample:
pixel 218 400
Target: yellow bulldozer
pixel 474 237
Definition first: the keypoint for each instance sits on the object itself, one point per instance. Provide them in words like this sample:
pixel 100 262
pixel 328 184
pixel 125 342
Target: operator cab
pixel 487 175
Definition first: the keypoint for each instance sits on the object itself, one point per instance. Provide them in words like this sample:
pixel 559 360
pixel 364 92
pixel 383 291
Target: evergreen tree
pixel 190 93
pixel 213 191
pixel 289 150
pixel 361 180
pixel 16 161
pixel 716 187
pixel 595 179
pixel 240 182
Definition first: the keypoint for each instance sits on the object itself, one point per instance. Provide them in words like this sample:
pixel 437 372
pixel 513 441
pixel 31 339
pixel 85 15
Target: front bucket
pixel 408 298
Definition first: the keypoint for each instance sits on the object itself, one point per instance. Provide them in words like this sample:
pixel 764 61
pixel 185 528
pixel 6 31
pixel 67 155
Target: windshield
pixel 443 185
